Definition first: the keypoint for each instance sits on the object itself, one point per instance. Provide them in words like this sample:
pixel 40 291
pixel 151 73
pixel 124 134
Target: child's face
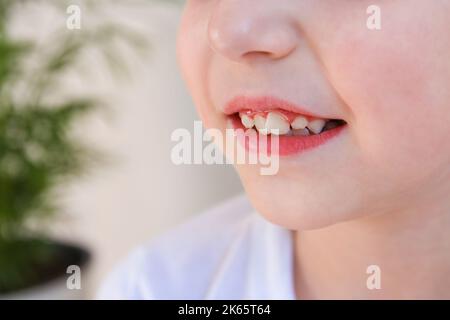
pixel 391 86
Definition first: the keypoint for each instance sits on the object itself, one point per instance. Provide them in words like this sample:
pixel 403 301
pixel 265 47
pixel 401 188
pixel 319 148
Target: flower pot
pixel 58 277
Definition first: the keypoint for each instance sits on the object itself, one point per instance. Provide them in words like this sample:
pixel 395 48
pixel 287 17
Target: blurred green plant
pixel 37 149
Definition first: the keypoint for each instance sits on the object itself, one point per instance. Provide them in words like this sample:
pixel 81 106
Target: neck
pixel 410 247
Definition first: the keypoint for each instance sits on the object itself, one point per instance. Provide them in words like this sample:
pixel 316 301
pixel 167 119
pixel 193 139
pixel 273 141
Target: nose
pixel 242 30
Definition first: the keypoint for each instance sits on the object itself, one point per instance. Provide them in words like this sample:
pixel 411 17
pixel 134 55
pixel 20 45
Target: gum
pixel 288 115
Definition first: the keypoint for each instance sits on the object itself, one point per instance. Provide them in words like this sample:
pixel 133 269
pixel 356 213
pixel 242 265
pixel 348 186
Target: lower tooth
pixel 300 132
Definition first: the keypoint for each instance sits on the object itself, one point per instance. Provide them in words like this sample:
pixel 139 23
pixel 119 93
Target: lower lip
pixel 288 145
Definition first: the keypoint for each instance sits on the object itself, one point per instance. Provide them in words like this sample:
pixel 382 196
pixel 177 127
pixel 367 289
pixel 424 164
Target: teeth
pixel 260 124
pixel 300 132
pixel 299 123
pixel 277 122
pixel 247 121
pixel 316 125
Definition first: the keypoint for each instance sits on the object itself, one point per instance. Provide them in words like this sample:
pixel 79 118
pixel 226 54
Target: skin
pixel 378 193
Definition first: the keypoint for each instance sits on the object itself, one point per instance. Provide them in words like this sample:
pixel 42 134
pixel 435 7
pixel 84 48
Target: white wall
pixel 139 193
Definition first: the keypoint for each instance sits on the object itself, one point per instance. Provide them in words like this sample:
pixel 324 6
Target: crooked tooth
pixel 299 123
pixel 260 124
pixel 316 125
pixel 277 122
pixel 247 121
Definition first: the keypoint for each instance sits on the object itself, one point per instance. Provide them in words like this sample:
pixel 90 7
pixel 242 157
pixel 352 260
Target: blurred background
pixel 134 192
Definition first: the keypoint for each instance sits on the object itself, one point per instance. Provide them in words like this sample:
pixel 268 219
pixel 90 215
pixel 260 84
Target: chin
pixel 299 208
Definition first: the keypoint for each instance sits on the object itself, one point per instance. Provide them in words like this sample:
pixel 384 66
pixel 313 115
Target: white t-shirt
pixel 226 253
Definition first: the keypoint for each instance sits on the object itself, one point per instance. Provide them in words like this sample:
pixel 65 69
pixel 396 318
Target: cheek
pixel 398 115
pixel 194 58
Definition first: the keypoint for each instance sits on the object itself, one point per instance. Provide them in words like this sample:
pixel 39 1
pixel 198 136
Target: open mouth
pixel 282 122
pixel 296 130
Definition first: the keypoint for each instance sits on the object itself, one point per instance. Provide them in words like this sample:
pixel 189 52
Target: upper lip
pixel 264 103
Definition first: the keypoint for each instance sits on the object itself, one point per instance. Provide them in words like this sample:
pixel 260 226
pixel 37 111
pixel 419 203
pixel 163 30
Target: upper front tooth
pixel 277 124
pixel 260 124
pixel 247 121
pixel 316 125
pixel 299 123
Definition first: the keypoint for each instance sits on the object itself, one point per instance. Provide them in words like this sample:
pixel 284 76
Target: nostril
pixel 257 54
pixel 273 55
